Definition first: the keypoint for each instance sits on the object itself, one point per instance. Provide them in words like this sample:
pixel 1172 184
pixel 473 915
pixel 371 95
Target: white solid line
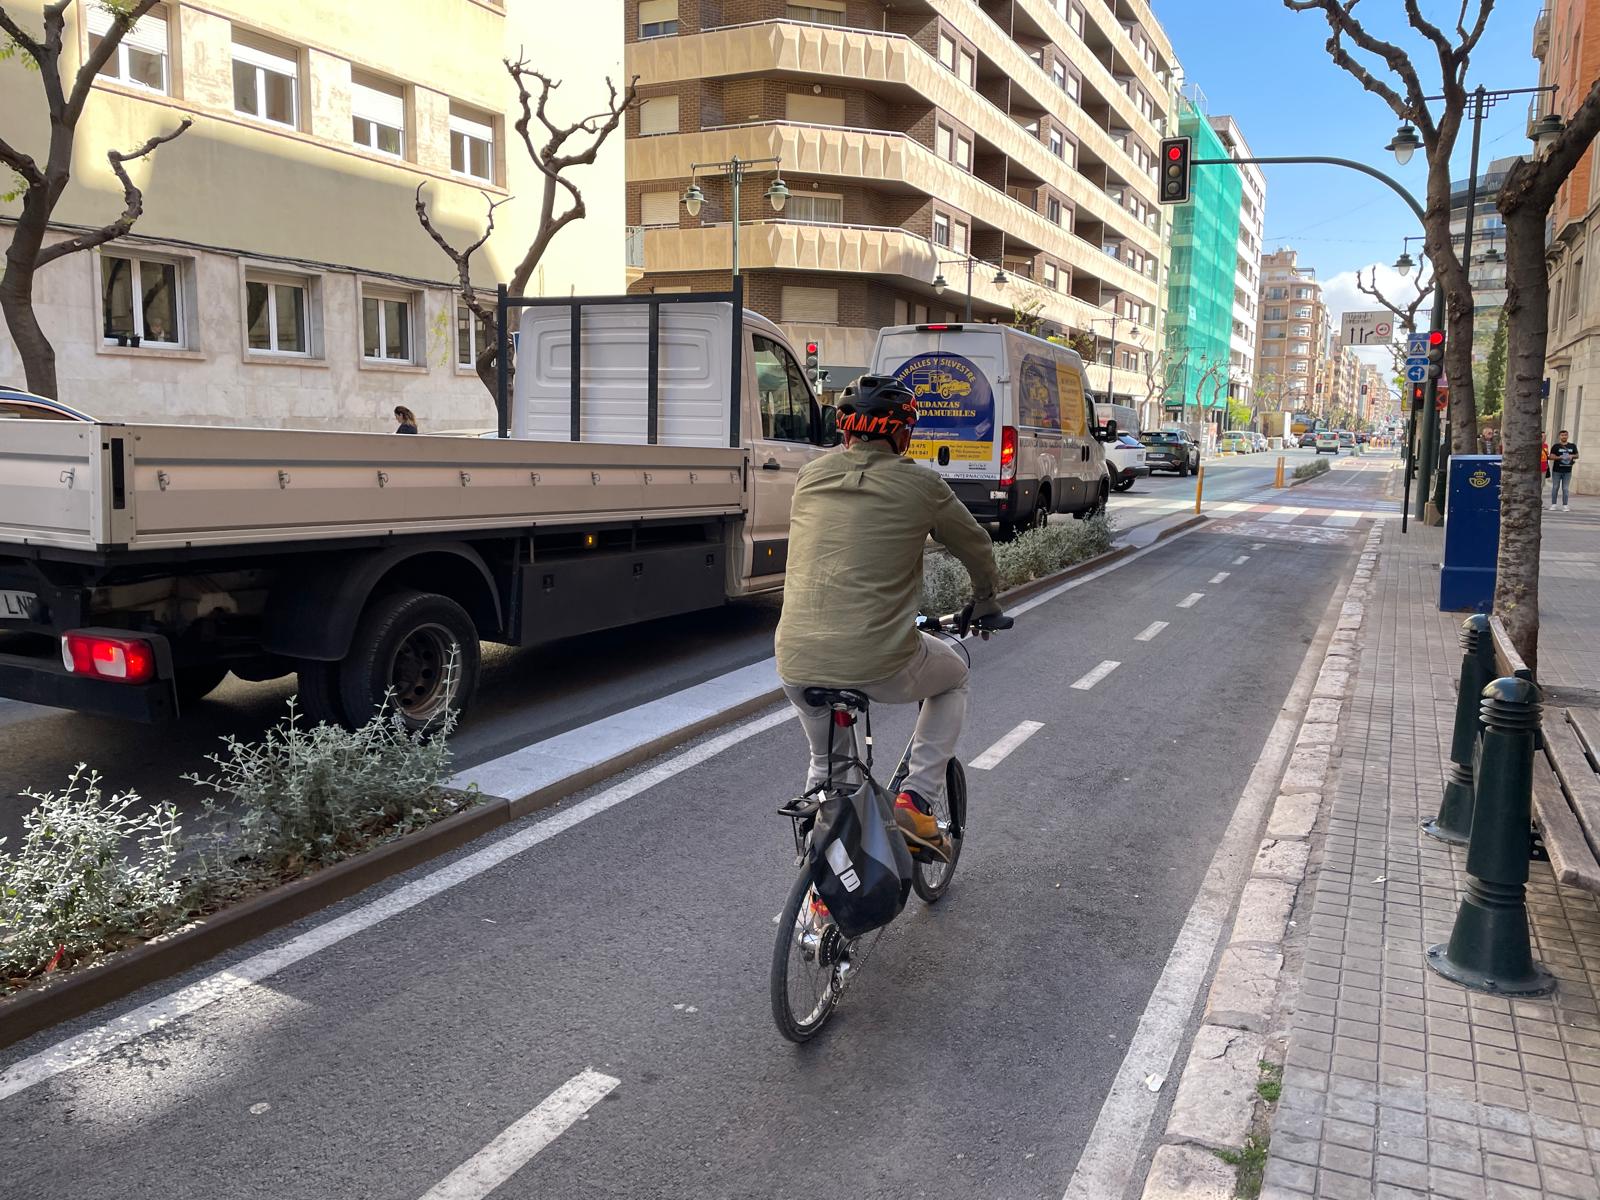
pixel 86 1047
pixel 1109 1159
pixel 517 1144
pixel 1096 675
pixel 1241 560
pixel 1191 600
pixel 1061 589
pixel 1220 576
pixel 996 754
pixel 1150 631
pixel 1258 545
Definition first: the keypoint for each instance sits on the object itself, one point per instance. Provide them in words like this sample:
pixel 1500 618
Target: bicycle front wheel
pixel 805 963
pixel 931 879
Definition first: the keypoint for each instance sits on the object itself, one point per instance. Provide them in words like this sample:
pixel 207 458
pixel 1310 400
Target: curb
pixel 1216 1107
pixel 42 1005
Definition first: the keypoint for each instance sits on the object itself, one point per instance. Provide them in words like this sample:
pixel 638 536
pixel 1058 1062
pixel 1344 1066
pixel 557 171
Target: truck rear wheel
pixel 402 649
pixel 318 693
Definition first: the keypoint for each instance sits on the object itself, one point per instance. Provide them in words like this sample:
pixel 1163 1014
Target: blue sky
pixel 1267 67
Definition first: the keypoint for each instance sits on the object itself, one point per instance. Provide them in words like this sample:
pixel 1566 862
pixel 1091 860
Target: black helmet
pixel 877 406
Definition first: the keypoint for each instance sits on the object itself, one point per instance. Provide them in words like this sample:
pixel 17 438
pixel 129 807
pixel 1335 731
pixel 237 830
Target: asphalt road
pixel 524 696
pixel 971 1058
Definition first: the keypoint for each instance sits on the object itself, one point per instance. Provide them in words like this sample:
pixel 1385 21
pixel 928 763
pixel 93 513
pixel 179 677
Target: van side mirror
pixel 1108 431
pixel 829 434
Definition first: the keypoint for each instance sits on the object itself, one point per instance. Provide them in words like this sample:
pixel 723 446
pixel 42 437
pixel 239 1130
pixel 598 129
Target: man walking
pixel 1562 455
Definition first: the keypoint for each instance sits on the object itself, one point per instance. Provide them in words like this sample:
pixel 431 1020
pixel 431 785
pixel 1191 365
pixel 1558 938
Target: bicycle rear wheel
pixel 930 879
pixel 805 962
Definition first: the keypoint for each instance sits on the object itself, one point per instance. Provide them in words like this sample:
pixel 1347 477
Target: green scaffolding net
pixel 1200 283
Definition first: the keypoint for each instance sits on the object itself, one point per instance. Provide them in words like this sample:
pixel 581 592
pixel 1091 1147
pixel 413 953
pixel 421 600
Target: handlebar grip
pixel 995 623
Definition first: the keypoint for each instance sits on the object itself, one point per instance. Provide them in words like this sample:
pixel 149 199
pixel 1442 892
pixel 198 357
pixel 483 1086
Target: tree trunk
pixel 1516 590
pixel 33 348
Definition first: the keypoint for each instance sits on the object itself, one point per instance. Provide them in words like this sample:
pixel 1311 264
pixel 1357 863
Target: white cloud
pixel 1341 295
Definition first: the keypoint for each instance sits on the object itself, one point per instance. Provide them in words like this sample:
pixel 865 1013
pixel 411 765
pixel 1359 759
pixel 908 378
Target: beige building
pixel 279 275
pixel 913 136
pixel 1293 333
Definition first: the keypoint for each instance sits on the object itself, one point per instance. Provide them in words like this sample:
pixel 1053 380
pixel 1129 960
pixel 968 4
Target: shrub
pixel 70 888
pixel 1310 470
pixel 946 586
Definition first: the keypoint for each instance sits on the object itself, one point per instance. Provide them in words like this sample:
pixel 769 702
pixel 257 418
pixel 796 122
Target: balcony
pixel 1541 34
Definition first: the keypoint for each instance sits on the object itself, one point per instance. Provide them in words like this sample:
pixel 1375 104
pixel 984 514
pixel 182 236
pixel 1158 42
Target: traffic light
pixel 811 363
pixel 1175 168
pixel 1435 353
pixel 1418 394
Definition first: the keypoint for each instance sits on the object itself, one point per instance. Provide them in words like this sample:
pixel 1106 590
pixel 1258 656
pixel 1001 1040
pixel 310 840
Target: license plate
pixel 17 606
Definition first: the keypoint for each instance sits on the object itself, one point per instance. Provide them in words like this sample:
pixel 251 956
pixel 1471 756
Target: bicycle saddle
pixel 820 697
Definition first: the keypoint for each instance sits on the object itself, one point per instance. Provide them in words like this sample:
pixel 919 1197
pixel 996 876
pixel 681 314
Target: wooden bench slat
pixel 1577 777
pixel 1587 722
pixel 1505 653
pixel 1570 856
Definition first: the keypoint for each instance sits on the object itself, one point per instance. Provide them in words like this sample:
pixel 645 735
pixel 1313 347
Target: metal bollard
pixel 1454 822
pixel 1489 949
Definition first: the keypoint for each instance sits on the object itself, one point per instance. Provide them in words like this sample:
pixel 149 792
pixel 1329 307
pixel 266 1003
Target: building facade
pixel 1338 389
pixel 1566 41
pixel 1293 333
pixel 279 275
pixel 1247 267
pixel 917 139
pixel 1487 268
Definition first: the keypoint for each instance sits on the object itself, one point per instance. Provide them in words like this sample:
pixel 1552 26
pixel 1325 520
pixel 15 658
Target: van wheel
pixel 1040 517
pixel 402 651
pixel 1099 505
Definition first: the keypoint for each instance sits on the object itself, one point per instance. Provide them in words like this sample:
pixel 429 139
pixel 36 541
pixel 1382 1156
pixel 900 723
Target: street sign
pixel 1367 328
pixel 1417 345
pixel 1417 372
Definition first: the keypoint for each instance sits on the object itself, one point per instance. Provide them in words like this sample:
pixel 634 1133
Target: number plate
pixel 17 606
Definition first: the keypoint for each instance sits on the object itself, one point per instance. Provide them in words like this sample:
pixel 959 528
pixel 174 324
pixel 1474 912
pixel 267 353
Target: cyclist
pixel 854 580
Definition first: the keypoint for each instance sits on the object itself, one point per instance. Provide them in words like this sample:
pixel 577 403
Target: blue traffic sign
pixel 1417 345
pixel 1417 373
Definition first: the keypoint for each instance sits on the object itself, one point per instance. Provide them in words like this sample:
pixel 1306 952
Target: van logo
pixel 954 399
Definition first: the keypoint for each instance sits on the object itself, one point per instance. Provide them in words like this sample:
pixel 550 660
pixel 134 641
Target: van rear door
pixel 954 374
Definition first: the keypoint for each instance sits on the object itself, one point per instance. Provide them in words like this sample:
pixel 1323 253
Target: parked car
pixel 1308 439
pixel 1170 450
pixel 18 405
pixel 1327 442
pixel 1125 462
pixel 1261 441
pixel 1235 441
pixel 1347 440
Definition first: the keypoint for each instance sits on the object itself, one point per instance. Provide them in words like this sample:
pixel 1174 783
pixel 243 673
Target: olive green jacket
pixel 860 520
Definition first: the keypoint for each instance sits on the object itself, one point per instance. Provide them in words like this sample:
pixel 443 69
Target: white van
pixel 1003 416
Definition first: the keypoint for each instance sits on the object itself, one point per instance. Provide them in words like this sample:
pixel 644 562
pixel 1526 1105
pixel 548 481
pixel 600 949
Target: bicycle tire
pixel 787 952
pixel 931 880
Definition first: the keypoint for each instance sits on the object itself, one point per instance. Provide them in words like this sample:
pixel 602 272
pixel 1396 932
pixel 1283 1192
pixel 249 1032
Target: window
pixel 784 398
pixel 472 335
pixel 819 12
pixel 266 79
pixel 1275 314
pixel 1302 293
pixel 968 70
pixel 813 110
pixel 386 326
pixel 821 208
pixel 947 50
pixel 141 56
pixel 1277 293
pixel 1075 89
pixel 941 141
pixel 941 229
pixel 1298 367
pixel 1057 144
pixel 963 153
pixel 1058 73
pixel 1302 314
pixel 959 237
pixel 1051 277
pixel 1075 19
pixel 658 18
pixel 140 304
pixel 1575 289
pixel 810 306
pixel 275 315
pixel 658 208
pixel 658 114
pixel 472 142
pixel 1052 210
pixel 900 313
pixel 1302 331
pixel 378 114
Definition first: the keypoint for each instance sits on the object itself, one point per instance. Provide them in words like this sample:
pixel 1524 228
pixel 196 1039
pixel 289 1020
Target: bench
pixel 1566 779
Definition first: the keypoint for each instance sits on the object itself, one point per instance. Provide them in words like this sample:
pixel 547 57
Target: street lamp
pixel 1405 144
pixel 1404 263
pixel 1111 371
pixel 1545 131
pixel 736 168
pixel 940 283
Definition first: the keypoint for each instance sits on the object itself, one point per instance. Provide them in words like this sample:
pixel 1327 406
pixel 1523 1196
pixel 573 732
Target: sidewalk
pixel 1396 1082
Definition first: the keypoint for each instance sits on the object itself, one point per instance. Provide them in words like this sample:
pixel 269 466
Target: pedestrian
pixel 1544 459
pixel 1562 455
pixel 407 419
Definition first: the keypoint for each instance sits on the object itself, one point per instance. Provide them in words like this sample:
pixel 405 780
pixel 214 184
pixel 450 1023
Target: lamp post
pixel 939 283
pixel 736 169
pixel 1111 376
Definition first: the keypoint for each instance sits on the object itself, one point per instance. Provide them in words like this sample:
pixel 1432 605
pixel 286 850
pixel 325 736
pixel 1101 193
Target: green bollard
pixel 1489 949
pixel 1454 822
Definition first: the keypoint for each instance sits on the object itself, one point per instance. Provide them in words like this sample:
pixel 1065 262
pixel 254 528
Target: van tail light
pixel 120 659
pixel 1008 454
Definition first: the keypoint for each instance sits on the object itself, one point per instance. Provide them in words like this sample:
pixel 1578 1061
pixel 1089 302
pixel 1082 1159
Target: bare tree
pixel 555 149
pixel 1525 200
pixel 1407 315
pixel 1401 89
pixel 1163 369
pixel 41 186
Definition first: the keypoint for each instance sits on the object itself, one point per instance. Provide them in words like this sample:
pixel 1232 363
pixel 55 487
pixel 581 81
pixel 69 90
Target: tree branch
pixel 1341 24
pixel 1408 314
pixel 17 34
pixel 121 22
pixel 133 200
pixel 462 258
pixel 22 164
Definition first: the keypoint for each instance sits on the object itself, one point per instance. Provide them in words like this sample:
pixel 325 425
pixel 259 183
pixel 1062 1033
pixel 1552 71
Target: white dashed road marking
pixel 518 1143
pixel 1096 675
pixel 996 754
pixel 1191 600
pixel 1241 560
pixel 1258 545
pixel 1220 576
pixel 1150 631
pixel 1282 516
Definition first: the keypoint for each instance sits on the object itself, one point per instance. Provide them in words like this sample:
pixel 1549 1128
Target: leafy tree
pixel 1492 395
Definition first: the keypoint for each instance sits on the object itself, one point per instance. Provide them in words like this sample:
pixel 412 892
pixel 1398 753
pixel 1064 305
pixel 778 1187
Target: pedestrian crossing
pixel 1295 522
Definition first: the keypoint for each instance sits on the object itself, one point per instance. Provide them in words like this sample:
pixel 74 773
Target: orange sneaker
pixel 919 826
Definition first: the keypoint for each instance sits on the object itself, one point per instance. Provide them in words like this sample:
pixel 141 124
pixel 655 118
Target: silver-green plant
pixel 1310 470
pixel 72 887
pixel 1031 555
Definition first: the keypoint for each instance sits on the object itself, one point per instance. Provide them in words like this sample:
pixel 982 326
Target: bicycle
pixel 810 950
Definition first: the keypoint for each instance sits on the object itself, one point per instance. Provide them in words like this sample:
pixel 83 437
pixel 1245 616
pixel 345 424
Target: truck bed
pixel 95 488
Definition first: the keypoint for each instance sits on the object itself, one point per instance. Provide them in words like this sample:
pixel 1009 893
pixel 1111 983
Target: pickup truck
pixel 657 440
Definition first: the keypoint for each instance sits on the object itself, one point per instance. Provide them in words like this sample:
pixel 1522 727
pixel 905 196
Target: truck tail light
pixel 1008 454
pixel 122 659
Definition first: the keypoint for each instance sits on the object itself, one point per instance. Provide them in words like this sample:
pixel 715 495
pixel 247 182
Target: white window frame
pixel 947 50
pixel 182 278
pixel 261 60
pixel 472 127
pixel 940 219
pixel 968 67
pixel 647 105
pixel 1051 277
pixel 790 213
pixel 1052 210
pixel 1057 144
pixel 274 280
pixel 653 18
pixel 413 302
pixel 149 35
pixel 944 140
pixel 475 325
pixel 379 108
pixel 960 237
pixel 964 152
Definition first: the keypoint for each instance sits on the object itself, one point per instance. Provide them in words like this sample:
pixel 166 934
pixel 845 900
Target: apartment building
pixel 1247 264
pixel 917 138
pixel 1376 403
pixel 1338 389
pixel 278 275
pixel 1566 41
pixel 1487 268
pixel 1293 332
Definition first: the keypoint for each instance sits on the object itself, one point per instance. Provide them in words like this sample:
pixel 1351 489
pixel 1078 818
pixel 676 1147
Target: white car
pixel 1125 461
pixel 1328 442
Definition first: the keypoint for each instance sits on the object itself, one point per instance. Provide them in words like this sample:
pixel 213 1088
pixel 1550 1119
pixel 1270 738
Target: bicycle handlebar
pixel 961 625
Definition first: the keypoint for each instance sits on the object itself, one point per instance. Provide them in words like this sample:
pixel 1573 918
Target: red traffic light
pixel 1435 337
pixel 1174 153
pixel 811 347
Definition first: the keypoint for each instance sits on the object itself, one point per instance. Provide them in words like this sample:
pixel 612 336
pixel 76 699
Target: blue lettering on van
pixel 954 400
